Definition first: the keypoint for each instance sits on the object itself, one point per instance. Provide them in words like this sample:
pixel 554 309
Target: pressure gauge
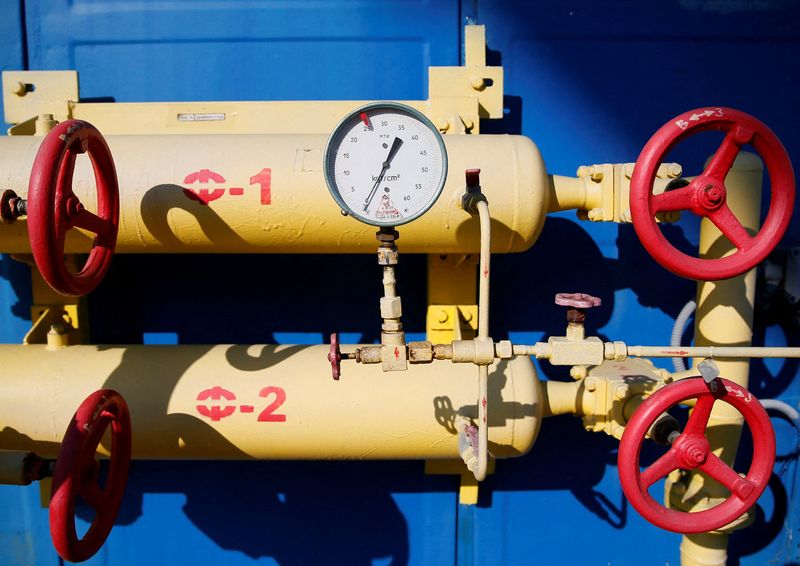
pixel 385 164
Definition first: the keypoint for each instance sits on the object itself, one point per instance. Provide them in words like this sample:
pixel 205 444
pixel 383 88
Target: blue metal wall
pixel 589 82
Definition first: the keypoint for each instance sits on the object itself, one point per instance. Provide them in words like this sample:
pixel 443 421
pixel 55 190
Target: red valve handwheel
pixel 76 470
pixel 53 208
pixel 335 357
pixel 690 450
pixel 706 194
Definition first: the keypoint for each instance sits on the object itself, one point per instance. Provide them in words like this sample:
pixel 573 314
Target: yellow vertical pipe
pixel 725 318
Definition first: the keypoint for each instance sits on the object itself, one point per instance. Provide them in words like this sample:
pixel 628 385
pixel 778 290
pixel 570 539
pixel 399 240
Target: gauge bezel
pixel 328 174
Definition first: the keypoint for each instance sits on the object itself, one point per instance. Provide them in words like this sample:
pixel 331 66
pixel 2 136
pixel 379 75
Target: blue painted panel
pixel 244 50
pixel 14 277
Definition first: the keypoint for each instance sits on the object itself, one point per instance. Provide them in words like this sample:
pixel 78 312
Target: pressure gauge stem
pixel 394 356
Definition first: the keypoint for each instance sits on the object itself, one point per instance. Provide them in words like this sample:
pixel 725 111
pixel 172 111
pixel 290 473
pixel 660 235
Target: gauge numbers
pixel 385 164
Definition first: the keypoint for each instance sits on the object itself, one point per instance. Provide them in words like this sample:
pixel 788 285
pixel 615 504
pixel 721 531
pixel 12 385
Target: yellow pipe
pixel 573 193
pixel 274 198
pixel 724 317
pixel 286 404
pixel 562 398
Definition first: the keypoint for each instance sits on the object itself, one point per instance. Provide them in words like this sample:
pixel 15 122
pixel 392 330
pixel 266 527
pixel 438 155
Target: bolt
pixel 443 316
pixel 478 83
pixel 468 123
pixel 628 170
pixel 621 392
pixel 443 124
pixel 595 214
pixel 713 194
pixel 58 328
pixel 578 372
pixel 674 170
pixel 696 455
pixel 20 89
pixel 468 316
pixel 591 385
pixel 583 171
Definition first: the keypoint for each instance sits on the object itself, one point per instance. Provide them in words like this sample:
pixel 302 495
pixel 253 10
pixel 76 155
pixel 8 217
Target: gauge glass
pixel 385 164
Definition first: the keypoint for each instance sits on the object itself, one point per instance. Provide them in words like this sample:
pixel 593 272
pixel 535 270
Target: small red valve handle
pixel 76 470
pixel 335 357
pixel 577 300
pixel 53 209
pixel 706 194
pixel 690 450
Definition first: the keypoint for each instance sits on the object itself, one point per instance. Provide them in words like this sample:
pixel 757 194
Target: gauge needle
pixel 392 151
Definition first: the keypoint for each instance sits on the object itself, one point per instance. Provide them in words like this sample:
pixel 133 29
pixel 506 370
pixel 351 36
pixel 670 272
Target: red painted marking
pixel 216 392
pixel 264 179
pixel 485 272
pixel 484 402
pixel 396 353
pixel 204 196
pixel 268 414
pixel 364 118
pixel 203 176
pixel 236 191
pixel 216 412
pixel 246 408
pixel 676 352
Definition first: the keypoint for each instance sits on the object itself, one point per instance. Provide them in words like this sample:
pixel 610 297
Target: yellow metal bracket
pixel 62 319
pixel 26 94
pixel 50 309
pixel 458 97
pixel 452 289
pixel 468 490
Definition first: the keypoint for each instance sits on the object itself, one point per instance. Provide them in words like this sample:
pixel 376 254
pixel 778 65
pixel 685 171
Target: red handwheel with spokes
pixel 53 207
pixel 706 194
pixel 691 451
pixel 76 474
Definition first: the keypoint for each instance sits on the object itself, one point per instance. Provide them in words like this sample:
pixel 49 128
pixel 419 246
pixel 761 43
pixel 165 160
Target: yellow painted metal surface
pixel 255 194
pixel 263 402
pixel 724 317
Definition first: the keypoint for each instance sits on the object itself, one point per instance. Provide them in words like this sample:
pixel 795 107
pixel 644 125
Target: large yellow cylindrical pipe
pixel 267 193
pixel 724 317
pixel 263 402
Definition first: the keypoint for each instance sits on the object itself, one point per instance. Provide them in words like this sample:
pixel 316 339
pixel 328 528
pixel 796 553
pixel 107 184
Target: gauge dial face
pixel 385 164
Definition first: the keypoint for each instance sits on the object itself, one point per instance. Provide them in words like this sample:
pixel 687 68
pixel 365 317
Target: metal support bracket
pixel 468 487
pixel 26 94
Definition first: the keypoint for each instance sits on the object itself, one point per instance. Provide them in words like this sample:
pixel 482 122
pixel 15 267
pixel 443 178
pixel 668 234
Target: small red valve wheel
pixel 53 208
pixel 76 471
pixel 335 357
pixel 706 194
pixel 577 300
pixel 690 450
